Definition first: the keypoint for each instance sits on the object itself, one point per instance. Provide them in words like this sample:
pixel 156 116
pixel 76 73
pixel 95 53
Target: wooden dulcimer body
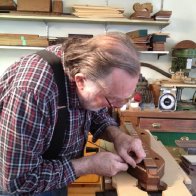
pixel 151 169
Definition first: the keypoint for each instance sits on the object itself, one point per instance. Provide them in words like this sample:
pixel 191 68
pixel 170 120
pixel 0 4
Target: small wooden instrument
pixel 151 169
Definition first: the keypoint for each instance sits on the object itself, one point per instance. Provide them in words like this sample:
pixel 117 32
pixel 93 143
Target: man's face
pixel 113 91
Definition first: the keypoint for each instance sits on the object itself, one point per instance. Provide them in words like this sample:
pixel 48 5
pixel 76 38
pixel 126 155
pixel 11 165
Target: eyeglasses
pixel 109 103
pixel 116 102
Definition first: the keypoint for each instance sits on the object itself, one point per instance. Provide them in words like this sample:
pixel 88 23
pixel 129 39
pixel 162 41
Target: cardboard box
pixel 35 5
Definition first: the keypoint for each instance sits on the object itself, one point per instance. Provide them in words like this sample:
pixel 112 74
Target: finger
pixel 140 156
pixel 139 160
pixel 138 151
pixel 129 159
pixel 123 166
pixel 119 159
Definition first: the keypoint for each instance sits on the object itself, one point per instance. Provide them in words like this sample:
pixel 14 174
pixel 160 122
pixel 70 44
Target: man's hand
pixel 130 149
pixel 102 163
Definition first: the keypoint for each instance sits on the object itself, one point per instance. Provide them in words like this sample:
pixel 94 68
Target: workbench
pixel 167 126
pixel 156 120
pixel 174 176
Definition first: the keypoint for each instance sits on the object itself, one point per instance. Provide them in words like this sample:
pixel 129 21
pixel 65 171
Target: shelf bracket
pixel 106 27
pixel 158 55
pixel 47 29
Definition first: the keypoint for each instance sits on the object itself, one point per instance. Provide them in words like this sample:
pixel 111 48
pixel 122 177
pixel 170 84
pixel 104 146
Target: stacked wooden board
pixel 162 15
pixel 23 40
pixel 158 40
pixel 189 164
pixel 144 41
pixel 140 38
pixel 97 11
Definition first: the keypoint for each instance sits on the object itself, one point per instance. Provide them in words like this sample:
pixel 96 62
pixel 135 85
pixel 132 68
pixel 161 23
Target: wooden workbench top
pixel 174 177
pixel 159 114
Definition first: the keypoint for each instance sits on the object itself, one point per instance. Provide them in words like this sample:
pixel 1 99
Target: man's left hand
pixel 130 149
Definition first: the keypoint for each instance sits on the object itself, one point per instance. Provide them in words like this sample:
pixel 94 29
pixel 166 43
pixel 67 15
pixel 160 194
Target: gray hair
pixel 98 56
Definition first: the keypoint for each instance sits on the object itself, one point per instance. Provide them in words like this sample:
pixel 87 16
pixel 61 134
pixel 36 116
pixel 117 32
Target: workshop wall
pixel 183 26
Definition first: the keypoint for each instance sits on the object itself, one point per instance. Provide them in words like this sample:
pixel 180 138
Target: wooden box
pixel 57 6
pixel 7 5
pixel 35 5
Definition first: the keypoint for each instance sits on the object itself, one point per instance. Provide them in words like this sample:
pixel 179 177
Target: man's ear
pixel 79 78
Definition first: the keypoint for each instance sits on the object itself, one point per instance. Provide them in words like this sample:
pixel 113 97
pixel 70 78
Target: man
pixel 99 72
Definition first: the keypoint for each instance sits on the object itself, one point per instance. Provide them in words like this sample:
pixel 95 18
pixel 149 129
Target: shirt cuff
pixel 101 130
pixel 69 172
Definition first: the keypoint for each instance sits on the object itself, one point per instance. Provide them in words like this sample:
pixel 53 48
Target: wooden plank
pixel 87 15
pixel 9 35
pixel 82 190
pixel 173 83
pixel 158 114
pixel 126 185
pixel 96 7
pixel 10 41
pixel 168 125
pixel 174 177
pixel 71 19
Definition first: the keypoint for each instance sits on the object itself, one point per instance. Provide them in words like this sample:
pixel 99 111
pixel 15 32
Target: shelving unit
pixel 21 48
pixel 155 52
pixel 158 53
pixel 73 19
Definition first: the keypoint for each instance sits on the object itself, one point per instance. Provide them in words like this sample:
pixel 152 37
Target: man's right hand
pixel 102 163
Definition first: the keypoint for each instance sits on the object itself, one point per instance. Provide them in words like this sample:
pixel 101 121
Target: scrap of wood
pixel 97 11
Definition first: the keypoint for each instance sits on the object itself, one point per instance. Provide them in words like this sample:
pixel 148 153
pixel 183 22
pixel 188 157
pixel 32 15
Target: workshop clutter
pixel 144 41
pixel 183 55
pixel 142 98
pixel 140 11
pixel 145 12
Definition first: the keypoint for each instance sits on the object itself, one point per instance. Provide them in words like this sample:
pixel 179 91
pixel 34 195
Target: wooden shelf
pixel 155 52
pixel 158 53
pixel 41 48
pixel 21 48
pixel 71 18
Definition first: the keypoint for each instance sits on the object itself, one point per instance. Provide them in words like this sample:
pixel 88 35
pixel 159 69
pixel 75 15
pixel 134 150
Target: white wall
pixel 182 27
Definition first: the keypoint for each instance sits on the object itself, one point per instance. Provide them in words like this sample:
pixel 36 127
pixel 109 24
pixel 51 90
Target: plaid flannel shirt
pixel 28 102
